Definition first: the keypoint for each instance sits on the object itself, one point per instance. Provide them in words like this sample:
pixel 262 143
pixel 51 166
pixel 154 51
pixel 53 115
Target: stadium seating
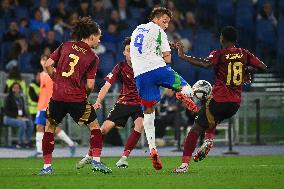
pixel 25 62
pixel 21 12
pixel 107 62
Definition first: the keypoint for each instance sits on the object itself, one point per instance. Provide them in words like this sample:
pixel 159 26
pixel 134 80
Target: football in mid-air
pixel 202 89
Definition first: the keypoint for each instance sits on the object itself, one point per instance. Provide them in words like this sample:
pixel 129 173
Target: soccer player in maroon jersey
pixel 127 105
pixel 231 66
pixel 73 80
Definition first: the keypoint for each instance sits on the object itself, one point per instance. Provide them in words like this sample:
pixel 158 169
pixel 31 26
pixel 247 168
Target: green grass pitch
pixel 245 172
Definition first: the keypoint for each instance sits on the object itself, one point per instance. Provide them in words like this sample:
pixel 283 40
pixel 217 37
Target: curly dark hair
pixel 126 41
pixel 85 27
pixel 160 11
pixel 230 34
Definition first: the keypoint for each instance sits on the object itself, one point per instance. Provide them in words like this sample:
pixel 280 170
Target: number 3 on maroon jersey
pixel 72 64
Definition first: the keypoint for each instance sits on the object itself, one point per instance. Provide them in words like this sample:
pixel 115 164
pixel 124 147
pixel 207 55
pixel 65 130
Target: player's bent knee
pixel 94 125
pixel 138 125
pixel 197 129
pixel 50 125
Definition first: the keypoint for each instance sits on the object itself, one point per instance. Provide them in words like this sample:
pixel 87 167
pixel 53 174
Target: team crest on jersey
pixel 109 75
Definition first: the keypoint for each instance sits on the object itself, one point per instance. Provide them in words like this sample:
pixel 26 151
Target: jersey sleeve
pixel 92 70
pixel 252 59
pixel 165 46
pixel 112 76
pixel 56 54
pixel 214 57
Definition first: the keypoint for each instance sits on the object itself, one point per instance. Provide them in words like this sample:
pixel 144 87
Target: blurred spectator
pixel 267 14
pixel 19 46
pixel 177 15
pixel 43 7
pixel 33 94
pixel 174 36
pixel 72 18
pixel 138 3
pixel 112 34
pixel 60 10
pixel 168 114
pixel 46 51
pixel 100 14
pixel 50 41
pixel 14 76
pixel 115 17
pixel 13 32
pixel 84 9
pixel 15 115
pixel 123 11
pixel 6 10
pixel 35 47
pixel 37 24
pixel 190 21
pixel 24 27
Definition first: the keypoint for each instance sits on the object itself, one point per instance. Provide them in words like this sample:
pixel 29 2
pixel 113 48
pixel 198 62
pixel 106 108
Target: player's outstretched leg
pixel 186 100
pixel 206 146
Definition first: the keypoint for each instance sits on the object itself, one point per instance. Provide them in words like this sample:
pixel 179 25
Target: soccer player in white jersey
pixel 150 53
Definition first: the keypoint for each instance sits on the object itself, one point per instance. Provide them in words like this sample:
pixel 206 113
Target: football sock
pixel 96 143
pixel 210 133
pixel 46 166
pixel 63 136
pixel 47 147
pixel 150 129
pixel 189 146
pixel 39 137
pixel 131 142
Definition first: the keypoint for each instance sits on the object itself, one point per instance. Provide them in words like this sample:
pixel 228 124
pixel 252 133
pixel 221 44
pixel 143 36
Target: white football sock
pixel 149 128
pixel 63 136
pixel 97 159
pixel 46 166
pixel 39 137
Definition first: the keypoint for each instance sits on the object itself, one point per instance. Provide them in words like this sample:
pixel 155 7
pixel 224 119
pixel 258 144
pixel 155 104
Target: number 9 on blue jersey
pixel 138 42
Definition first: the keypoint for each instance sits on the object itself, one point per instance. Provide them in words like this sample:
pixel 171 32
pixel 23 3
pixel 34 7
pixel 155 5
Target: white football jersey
pixel 148 41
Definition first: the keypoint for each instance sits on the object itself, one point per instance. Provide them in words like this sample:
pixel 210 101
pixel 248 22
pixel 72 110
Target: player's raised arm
pixel 104 90
pixel 200 62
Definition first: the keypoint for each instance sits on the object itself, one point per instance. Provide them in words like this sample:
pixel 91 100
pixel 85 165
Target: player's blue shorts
pixel 148 84
pixel 40 117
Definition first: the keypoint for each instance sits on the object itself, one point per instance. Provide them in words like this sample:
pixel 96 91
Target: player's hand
pixel 97 105
pixel 180 49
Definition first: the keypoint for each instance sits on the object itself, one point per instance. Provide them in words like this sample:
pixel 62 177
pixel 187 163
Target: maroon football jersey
pixel 128 93
pixel 229 64
pixel 75 62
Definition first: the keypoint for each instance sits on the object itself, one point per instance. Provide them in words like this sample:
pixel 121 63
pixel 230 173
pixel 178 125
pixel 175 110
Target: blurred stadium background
pixel 29 28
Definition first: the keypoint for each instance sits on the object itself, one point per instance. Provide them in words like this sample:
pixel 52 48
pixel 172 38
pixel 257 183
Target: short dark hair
pixel 229 33
pixel 85 27
pixel 160 11
pixel 126 42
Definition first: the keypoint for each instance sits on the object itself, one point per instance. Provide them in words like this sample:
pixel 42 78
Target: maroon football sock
pixel 96 142
pixel 131 142
pixel 210 133
pixel 47 147
pixel 189 146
